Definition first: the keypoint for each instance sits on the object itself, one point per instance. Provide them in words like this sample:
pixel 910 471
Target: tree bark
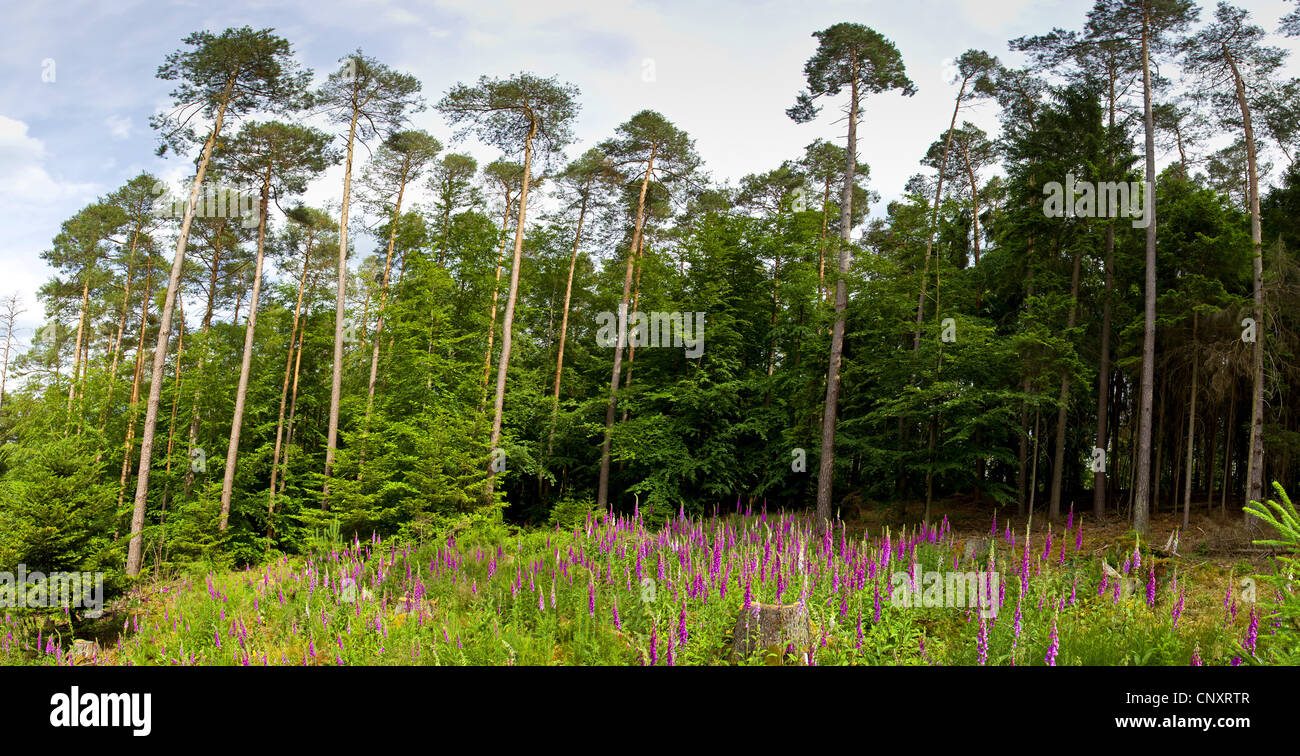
pixel 1062 405
pixel 1191 428
pixel 564 325
pixel 934 219
pixel 76 354
pixel 826 466
pixel 135 548
pixel 383 302
pixel 496 293
pixel 1255 466
pixel 507 325
pixel 121 326
pixel 284 387
pixel 602 487
pixel 1142 487
pixel 1103 380
pixel 340 307
pixel 246 363
pixel 136 376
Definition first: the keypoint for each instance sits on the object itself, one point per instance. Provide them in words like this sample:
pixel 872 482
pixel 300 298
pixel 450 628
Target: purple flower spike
pixel 1252 633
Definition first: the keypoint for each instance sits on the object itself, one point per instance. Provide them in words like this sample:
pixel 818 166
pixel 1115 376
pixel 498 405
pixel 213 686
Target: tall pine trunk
pixel 507 325
pixel 137 374
pixel 602 486
pixel 379 315
pixel 135 549
pixel 826 466
pixel 284 387
pixel 1062 405
pixel 121 327
pixel 496 296
pixel 340 307
pixel 246 363
pixel 1191 427
pixel 934 219
pixel 1255 466
pixel 1103 379
pixel 564 325
pixel 1142 485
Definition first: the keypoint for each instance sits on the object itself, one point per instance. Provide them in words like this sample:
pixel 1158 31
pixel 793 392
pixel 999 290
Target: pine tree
pixel 369 97
pixel 281 158
pixel 519 114
pixel 860 58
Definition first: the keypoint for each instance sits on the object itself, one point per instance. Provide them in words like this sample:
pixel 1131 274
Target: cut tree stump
pixel 773 628
pixel 84 652
pixel 977 549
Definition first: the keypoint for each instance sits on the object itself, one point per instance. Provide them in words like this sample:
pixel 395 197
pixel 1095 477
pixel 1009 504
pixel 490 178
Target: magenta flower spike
pixel 1016 625
pixel 1053 648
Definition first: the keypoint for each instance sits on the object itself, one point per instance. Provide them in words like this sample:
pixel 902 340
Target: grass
pixel 614 590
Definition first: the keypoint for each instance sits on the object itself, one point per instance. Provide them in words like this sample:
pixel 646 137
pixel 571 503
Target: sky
pixel 79 84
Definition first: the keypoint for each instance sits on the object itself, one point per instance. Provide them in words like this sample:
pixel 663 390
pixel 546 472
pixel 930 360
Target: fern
pixel 1283 518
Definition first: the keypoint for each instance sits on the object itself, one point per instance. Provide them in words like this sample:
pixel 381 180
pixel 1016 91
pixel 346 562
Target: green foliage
pixel 1282 517
pixel 56 511
pixel 958 403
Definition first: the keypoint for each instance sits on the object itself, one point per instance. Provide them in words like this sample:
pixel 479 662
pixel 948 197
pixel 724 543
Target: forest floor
pixel 617 590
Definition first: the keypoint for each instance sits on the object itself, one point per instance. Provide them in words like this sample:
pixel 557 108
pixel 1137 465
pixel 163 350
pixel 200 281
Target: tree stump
pixel 977 549
pixel 84 652
pixel 771 629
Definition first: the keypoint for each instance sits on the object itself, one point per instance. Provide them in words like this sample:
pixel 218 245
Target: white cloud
pixel 401 16
pixel 994 17
pixel 23 176
pixel 119 127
